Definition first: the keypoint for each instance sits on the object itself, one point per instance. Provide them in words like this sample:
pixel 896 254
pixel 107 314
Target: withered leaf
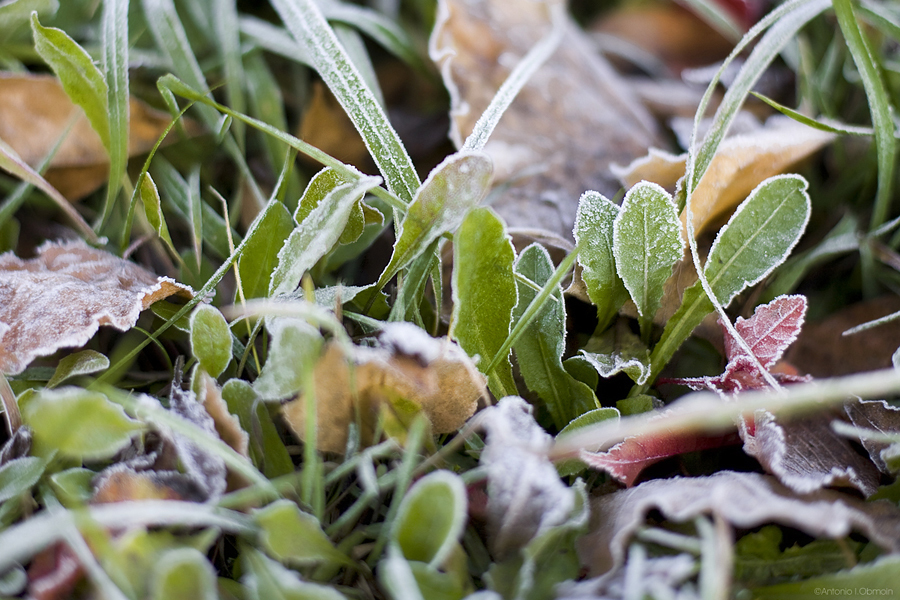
pixel 35 112
pixel 571 120
pixel 742 162
pixel 745 500
pixel 405 372
pixel 60 298
pixel 879 416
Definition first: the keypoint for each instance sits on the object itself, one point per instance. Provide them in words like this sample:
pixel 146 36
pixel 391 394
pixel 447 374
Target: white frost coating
pixel 406 338
pixel 608 365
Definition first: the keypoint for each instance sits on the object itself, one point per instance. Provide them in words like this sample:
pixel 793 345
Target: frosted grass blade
pixel 115 72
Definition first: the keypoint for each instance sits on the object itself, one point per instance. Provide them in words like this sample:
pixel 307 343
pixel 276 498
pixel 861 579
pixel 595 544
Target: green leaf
pixel 452 188
pixel 73 487
pixel 618 350
pixel 183 574
pixel 210 339
pixel 573 466
pixel 293 537
pixel 115 74
pixel 647 243
pixel 80 363
pixel 260 256
pixel 79 76
pixel 876 579
pixel 484 294
pixel 293 343
pixel 268 580
pixel 153 210
pixel 539 349
pixel 594 239
pixel 431 518
pixel 266 448
pixel 15 14
pixel 318 232
pixel 20 475
pixel 388 33
pixel 79 423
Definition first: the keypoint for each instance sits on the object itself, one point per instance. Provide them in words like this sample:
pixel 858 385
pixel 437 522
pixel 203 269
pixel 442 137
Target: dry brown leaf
pixel 406 371
pixel 742 163
pixel 326 126
pixel 745 500
pixel 574 117
pixel 61 298
pixel 227 425
pixel 34 113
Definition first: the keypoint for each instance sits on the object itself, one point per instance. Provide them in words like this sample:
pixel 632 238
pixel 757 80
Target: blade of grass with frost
pixel 355 47
pixel 317 234
pixel 115 71
pixel 879 106
pixel 225 21
pixel 439 206
pixel 173 84
pixel 484 295
pixel 519 76
pixel 831 127
pixel 12 163
pixel 195 213
pixel 718 18
pixel 305 22
pixel 383 30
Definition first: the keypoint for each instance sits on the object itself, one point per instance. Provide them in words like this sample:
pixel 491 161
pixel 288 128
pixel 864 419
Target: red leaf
pixel 772 328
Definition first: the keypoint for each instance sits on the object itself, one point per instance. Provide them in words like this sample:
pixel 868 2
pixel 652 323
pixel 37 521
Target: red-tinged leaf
pixel 771 329
pixel 627 459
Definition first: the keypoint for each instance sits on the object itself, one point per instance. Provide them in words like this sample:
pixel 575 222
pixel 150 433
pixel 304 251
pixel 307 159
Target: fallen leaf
pixel 34 114
pixel 407 371
pixel 572 119
pixel 326 126
pixel 742 162
pixel 879 416
pixel 61 298
pixel 745 500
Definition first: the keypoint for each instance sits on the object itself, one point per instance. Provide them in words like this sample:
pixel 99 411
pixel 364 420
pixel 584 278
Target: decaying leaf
pixel 573 118
pixel 742 162
pixel 34 114
pixel 745 500
pixel 60 298
pixel 879 416
pixel 407 371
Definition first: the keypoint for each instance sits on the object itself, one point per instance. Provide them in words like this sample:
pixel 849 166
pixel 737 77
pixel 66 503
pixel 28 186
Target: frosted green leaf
pixel 319 186
pixel 79 76
pixel 20 475
pixel 293 343
pixel 80 363
pixel 153 210
pixel 594 239
pixel 210 339
pixel 573 466
pixel 647 243
pixel 78 423
pixel 293 537
pixel 618 350
pixel 431 518
pixel 540 347
pixel 451 189
pixel 260 256
pixel 266 579
pixel 183 574
pixel 484 293
pixel 316 234
pixel 115 71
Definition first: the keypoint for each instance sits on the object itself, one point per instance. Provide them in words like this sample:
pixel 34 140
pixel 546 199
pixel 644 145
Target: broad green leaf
pixel 20 475
pixel 79 363
pixel 431 518
pixel 452 188
pixel 79 76
pixel 260 256
pixel 484 294
pixel 293 342
pixel 594 239
pixel 304 20
pixel 759 236
pixel 618 350
pixel 266 448
pixel 647 243
pixel 115 74
pixel 153 210
pixel 293 537
pixel 79 423
pixel 319 186
pixel 539 349
pixel 210 339
pixel 265 579
pixel 183 574
pixel 318 232
pixel 876 579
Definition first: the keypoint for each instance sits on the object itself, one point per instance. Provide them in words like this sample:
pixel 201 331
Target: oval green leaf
pixel 183 574
pixel 294 537
pixel 210 339
pixel 80 363
pixel 431 518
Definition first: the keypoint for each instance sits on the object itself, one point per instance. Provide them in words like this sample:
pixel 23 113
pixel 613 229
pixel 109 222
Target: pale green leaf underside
pixel 431 518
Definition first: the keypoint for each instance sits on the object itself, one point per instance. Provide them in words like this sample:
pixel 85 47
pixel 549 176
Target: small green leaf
pixel 210 339
pixel 153 210
pixel 183 574
pixel 539 349
pixel 431 518
pixel 79 423
pixel 647 243
pixel 268 580
pixel 316 234
pixel 484 293
pixel 80 363
pixel 295 538
pixel 294 342
pixel 594 239
pixel 20 475
pixel 79 76
pixel 260 256
pixel 452 188
pixel 266 448
pixel 73 487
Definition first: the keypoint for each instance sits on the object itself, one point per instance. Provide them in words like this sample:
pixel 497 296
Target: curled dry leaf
pixel 572 119
pixel 745 500
pixel 61 298
pixel 407 371
pixel 35 112
pixel 741 163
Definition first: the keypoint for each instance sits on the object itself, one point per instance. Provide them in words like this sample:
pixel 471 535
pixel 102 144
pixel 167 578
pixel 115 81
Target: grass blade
pixel 115 72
